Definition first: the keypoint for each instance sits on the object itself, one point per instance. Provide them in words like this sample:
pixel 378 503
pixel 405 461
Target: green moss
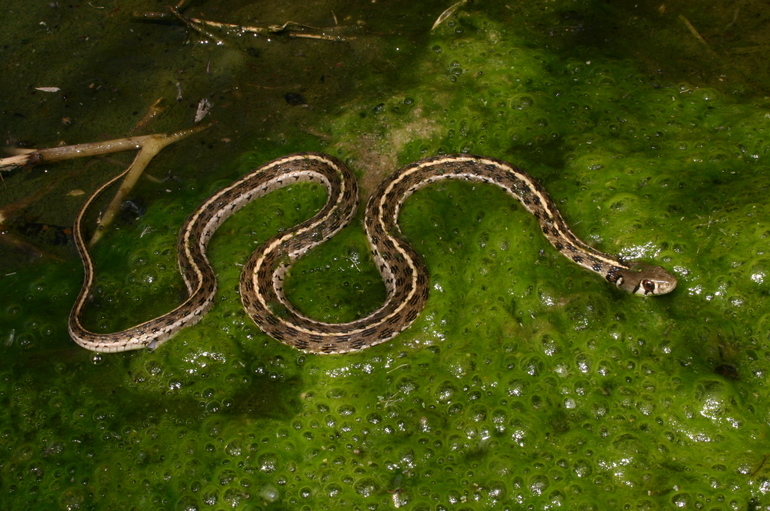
pixel 525 383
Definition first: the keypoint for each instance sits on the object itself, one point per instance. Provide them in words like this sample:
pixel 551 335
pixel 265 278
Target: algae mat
pixel 525 384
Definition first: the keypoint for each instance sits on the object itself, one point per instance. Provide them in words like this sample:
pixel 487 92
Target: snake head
pixel 645 279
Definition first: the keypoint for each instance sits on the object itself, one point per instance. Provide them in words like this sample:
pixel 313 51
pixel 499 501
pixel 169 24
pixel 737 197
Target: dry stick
pixel 51 154
pixel 148 145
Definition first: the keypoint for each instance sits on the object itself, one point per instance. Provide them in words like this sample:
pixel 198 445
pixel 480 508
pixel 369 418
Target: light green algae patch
pixel 526 383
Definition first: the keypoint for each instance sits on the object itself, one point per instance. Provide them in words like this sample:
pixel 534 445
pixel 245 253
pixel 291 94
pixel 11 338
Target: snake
pixel 404 274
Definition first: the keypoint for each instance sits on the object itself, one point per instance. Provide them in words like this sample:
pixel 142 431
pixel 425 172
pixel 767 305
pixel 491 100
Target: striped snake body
pixel 405 277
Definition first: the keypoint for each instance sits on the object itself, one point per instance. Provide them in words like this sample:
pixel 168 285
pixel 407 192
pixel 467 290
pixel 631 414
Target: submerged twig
pixel 762 464
pixel 192 23
pixel 152 113
pixel 290 28
pixel 25 247
pixel 735 14
pixel 694 31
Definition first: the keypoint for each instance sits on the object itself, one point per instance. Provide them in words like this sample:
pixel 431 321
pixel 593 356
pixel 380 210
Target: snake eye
pixel 649 286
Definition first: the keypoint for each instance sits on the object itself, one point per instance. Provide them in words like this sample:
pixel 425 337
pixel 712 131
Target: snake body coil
pixel 406 279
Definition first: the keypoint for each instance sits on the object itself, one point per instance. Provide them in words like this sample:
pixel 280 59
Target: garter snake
pixel 405 277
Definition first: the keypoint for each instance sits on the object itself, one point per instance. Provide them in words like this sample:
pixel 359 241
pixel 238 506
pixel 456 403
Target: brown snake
pixel 406 279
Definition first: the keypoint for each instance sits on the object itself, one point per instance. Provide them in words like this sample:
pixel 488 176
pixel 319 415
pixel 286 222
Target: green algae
pixel 525 383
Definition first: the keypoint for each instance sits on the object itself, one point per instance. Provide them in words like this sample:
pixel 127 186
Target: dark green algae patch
pixel 526 383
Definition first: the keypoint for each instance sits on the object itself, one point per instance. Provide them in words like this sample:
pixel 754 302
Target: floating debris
pixel 203 110
pixel 447 13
